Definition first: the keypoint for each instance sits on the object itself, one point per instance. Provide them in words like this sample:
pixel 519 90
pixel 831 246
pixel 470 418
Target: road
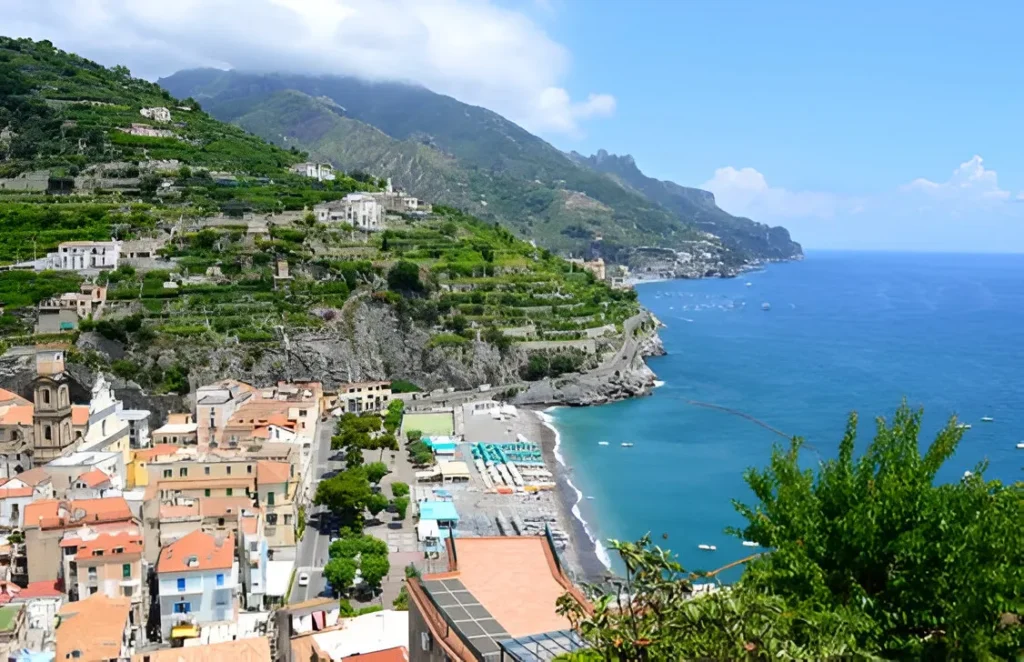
pixel 312 549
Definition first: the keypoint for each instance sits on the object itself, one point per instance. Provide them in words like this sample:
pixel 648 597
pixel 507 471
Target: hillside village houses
pixel 82 256
pixel 63 313
pixel 360 210
pixel 322 172
pixel 158 114
pixel 401 203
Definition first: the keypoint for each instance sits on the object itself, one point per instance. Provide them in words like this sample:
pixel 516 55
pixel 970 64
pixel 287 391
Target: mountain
pixel 697 206
pixel 442 149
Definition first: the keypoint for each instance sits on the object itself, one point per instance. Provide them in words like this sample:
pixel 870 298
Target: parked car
pixel 304 579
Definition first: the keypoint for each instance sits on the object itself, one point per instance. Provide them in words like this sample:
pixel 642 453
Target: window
pixel 182 472
pixel 97 552
pixel 270 498
pixel 126 570
pixel 248 468
pixel 182 607
pixel 47 432
pixel 118 550
pixel 46 396
pixel 287 519
pixel 206 470
pixel 181 584
pixel 272 519
pixel 92 590
pixel 220 521
pixel 220 579
pixel 229 469
pixel 228 491
pixel 206 492
pixel 168 473
pixel 92 574
pixel 126 591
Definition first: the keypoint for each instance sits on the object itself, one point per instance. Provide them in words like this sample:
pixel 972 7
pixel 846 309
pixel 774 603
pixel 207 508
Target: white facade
pixel 159 114
pixel 323 172
pixel 84 256
pixel 12 508
pixel 360 210
pixel 138 427
pixel 41 612
pixel 106 428
pixel 199 596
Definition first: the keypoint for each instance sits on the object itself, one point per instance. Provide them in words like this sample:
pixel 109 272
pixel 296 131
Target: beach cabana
pixel 443 513
pixel 454 472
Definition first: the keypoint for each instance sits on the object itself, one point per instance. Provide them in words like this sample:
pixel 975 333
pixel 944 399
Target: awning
pixel 187 631
pixel 427 528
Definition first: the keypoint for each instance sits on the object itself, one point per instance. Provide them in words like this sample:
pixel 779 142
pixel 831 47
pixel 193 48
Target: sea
pixel 842 332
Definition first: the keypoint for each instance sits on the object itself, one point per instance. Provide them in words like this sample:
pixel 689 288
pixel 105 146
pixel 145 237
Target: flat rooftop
pixel 82 458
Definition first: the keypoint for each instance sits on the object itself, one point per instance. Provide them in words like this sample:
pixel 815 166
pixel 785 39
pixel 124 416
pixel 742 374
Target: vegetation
pixel 870 558
pixel 357 552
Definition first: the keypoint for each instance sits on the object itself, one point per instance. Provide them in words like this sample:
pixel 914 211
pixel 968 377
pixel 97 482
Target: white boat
pixel 766 306
pixel 1020 445
pixel 627 444
pixel 707 548
pixel 590 498
pixel 964 426
pixel 987 419
pixel 750 543
pixel 749 283
pixel 602 443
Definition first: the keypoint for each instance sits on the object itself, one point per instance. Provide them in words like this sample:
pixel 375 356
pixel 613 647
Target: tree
pixel 375 471
pixel 376 504
pixel 401 602
pixel 345 493
pixel 353 457
pixel 340 572
pixel 400 489
pixel 374 568
pixel 401 506
pixel 457 324
pixel 934 568
pixel 148 185
pixel 413 435
pixel 351 545
pixel 405 277
pixel 386 442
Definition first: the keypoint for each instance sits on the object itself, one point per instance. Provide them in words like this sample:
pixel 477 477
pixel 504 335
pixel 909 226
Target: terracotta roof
pixel 93 478
pixel 254 649
pixel 34 477
pixel 209 552
pixel 94 627
pixel 12 492
pixel 521 597
pixel 271 473
pixel 79 415
pixel 16 415
pixel 106 543
pixel 260 412
pixel 251 525
pixel 10 397
pixel 45 589
pixel 224 506
pixel 159 450
pixel 170 511
pixel 399 654
pixel 48 514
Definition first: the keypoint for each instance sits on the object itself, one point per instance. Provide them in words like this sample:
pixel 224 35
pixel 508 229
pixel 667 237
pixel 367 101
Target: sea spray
pixel 599 550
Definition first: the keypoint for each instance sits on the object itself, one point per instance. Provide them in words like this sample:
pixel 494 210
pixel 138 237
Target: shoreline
pixel 590 559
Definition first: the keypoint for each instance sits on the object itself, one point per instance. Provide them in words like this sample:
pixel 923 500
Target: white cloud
pixel 971 182
pixel 473 50
pixel 746 192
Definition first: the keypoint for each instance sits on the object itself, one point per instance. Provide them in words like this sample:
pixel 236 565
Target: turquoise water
pixel 846 331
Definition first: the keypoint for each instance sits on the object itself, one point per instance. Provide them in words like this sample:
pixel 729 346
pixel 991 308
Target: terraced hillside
pixel 237 278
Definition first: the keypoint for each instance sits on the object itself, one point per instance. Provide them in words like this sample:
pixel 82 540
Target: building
pixel 96 629
pixel 12 627
pixel 138 466
pixel 358 397
pixel 16 435
pixel 42 601
pixel 250 649
pixel 198 584
pixel 596 266
pixel 63 313
pixel 323 172
pixel 137 129
pixel 496 591
pixel 401 203
pixel 381 636
pixel 84 256
pixel 86 470
pixel 47 522
pixel 180 430
pixel 360 210
pixel 52 426
pixel 276 485
pixel 107 431
pixel 107 563
pixel 254 553
pixel 158 114
pixel 138 427
pixel 13 501
pixel 216 403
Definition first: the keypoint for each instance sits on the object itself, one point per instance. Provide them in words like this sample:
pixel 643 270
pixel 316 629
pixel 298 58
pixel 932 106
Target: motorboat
pixel 602 443
pixel 964 426
pixel 987 419
pixel 707 548
pixel 627 444
pixel 750 543
pixel 1020 445
pixel 749 283
pixel 766 306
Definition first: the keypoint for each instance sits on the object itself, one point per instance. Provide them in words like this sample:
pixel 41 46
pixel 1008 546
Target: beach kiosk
pixel 454 472
pixel 442 513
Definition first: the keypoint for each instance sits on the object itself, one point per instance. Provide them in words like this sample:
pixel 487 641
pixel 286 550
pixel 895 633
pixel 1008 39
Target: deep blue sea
pixel 846 331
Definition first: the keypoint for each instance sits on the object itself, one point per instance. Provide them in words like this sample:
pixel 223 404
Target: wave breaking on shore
pixel 599 550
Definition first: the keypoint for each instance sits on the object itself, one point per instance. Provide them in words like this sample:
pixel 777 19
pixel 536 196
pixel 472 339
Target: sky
pixel 869 125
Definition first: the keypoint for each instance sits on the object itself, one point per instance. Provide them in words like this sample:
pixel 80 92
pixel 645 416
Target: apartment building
pixel 84 256
pixel 66 471
pixel 180 430
pixel 109 563
pixel 198 584
pixel 96 629
pixel 358 397
pixel 254 552
pixel 217 403
pixel 276 485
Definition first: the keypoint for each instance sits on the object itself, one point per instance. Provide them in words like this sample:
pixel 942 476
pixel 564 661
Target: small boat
pixel 627 444
pixel 707 548
pixel 750 543
pixel 766 306
pixel 749 283
pixel 987 419
pixel 964 426
pixel 590 498
pixel 602 443
pixel 1020 445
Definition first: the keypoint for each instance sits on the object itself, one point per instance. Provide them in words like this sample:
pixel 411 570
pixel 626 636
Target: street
pixel 312 549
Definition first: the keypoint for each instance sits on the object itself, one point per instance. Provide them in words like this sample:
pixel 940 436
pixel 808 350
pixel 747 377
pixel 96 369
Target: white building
pixel 86 474
pixel 323 172
pixel 84 256
pixel 198 584
pixel 360 210
pixel 158 114
pixel 254 553
pixel 138 427
pixel 107 431
pixel 42 601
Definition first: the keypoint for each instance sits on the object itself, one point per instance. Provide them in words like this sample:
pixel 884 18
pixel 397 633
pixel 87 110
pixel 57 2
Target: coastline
pixel 590 561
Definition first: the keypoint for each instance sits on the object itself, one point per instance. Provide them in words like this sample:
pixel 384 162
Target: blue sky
pixel 880 125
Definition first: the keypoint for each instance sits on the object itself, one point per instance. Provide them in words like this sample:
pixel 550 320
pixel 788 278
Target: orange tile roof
pixel 210 552
pixel 522 596
pixel 44 589
pixel 10 397
pixel 399 654
pixel 260 412
pixel 254 649
pixel 47 513
pixel 15 492
pixel 251 525
pixel 170 511
pixel 94 627
pixel 79 415
pixel 159 450
pixel 93 478
pixel 106 543
pixel 272 473
pixel 34 477
pixel 224 506
pixel 16 415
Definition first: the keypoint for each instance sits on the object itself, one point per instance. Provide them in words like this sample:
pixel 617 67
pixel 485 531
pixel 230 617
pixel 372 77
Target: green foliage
pixel 376 504
pixel 541 365
pixel 413 435
pixel 21 289
pixel 400 489
pixel 374 568
pixel 405 277
pixel 393 417
pixel 345 493
pixel 401 602
pixel 340 572
pixel 401 504
pixel 403 386
pixel 375 471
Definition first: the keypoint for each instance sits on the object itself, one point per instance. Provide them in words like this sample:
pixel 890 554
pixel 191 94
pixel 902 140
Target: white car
pixel 304 579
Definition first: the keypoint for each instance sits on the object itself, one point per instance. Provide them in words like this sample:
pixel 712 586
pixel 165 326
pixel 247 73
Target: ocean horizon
pixel 845 331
